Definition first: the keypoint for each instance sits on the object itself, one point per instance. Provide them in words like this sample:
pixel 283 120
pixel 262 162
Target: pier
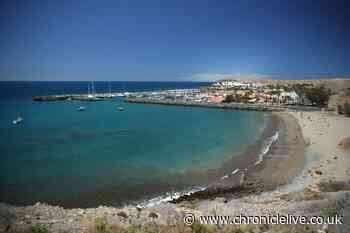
pixel 79 97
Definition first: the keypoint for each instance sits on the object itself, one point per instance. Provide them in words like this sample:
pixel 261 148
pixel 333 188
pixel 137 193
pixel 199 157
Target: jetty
pixel 79 97
pixel 90 96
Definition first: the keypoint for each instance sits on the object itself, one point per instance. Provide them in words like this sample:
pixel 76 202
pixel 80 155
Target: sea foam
pixel 266 148
pixel 169 197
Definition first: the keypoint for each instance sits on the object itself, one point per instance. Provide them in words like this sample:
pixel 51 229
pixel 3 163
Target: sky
pixel 178 40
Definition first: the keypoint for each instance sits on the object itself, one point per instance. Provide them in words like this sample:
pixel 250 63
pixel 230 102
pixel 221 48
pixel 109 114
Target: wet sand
pixel 285 159
pixel 245 174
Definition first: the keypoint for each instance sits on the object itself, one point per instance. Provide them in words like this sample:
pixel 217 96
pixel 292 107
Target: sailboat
pixel 91 95
pixel 110 95
pixel 17 121
pixel 81 108
pixel 122 94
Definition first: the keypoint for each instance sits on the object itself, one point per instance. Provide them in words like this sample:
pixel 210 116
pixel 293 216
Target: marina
pixel 183 97
pixel 251 95
pixel 175 117
pixel 79 97
pixel 93 147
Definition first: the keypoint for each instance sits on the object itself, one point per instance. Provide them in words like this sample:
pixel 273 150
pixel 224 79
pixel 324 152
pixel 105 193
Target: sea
pixel 102 156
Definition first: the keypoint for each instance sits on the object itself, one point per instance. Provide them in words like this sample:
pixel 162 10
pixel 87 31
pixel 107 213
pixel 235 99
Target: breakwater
pixel 73 97
pixel 234 106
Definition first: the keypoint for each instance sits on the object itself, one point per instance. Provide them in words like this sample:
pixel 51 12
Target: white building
pixel 231 84
pixel 289 97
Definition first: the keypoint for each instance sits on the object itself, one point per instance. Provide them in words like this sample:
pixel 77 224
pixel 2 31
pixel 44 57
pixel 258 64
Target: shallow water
pixel 103 156
pixel 299 182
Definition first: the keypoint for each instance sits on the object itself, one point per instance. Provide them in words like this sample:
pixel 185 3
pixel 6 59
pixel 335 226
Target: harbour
pixel 93 147
pixel 79 97
pixel 175 117
pixel 247 97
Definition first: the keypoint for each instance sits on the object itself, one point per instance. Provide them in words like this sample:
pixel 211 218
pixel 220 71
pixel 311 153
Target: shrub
pixel 100 225
pixel 122 214
pixel 196 227
pixel 318 95
pixel 229 99
pixel 131 229
pixel 153 215
pixel 38 229
pixel 347 109
pixel 340 109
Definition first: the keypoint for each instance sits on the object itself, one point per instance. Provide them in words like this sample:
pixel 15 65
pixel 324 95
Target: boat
pixel 91 91
pixel 120 109
pixel 81 108
pixel 110 95
pixel 17 121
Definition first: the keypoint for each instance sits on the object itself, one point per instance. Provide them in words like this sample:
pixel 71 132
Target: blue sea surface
pixel 103 156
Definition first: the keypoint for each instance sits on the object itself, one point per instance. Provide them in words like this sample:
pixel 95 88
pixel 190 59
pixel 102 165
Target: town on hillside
pixel 328 94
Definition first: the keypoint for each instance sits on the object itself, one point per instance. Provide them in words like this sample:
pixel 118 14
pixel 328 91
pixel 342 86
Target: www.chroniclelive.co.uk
pixel 190 218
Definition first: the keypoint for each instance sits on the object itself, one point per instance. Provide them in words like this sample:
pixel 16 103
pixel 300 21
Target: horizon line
pixel 203 81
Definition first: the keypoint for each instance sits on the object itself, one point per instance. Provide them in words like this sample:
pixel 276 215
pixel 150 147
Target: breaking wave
pixel 266 147
pixel 168 197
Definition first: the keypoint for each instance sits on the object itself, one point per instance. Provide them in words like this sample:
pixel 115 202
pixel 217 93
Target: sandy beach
pixel 321 186
pixel 305 173
pixel 274 160
pixel 324 131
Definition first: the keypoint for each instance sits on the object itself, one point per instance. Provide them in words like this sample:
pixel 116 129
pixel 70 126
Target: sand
pixel 248 173
pixel 286 157
pixel 322 186
pixel 323 131
pixel 283 167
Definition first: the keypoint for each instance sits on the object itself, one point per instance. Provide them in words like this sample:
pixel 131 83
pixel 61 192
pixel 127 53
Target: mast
pixel 92 88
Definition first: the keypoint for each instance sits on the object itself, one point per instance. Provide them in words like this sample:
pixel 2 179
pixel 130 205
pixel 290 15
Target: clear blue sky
pixel 173 40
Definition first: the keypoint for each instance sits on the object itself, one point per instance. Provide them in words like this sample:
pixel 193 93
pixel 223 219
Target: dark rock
pixel 318 172
pixel 153 215
pixel 122 214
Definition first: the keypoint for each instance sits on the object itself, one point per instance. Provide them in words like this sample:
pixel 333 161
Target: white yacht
pixel 81 108
pixel 17 121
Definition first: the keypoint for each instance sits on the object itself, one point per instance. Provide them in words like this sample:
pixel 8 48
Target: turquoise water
pixel 103 156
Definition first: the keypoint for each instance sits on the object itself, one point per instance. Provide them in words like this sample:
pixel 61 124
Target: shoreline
pixel 280 164
pixel 200 178
pixel 321 188
pixel 215 178
pixel 263 184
